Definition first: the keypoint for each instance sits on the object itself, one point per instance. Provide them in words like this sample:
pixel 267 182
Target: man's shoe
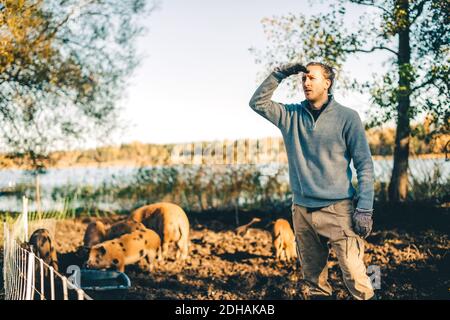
pixel 322 297
pixel 374 297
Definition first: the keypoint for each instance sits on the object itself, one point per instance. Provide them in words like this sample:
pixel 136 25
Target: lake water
pixel 92 176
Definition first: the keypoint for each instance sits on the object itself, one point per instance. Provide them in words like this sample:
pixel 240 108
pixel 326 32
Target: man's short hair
pixel 327 70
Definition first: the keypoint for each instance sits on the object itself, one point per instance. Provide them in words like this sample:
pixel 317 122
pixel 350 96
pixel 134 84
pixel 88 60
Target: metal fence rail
pixel 26 276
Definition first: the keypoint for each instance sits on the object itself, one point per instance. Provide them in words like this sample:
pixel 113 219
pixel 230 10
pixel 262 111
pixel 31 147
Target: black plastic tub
pixel 99 280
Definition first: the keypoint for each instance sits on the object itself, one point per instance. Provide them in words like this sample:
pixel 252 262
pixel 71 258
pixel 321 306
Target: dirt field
pixel 223 265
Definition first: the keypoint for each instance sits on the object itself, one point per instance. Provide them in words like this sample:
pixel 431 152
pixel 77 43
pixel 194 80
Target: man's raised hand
pixel 290 69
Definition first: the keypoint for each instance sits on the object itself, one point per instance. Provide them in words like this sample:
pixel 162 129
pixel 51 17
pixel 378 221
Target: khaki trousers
pixel 332 224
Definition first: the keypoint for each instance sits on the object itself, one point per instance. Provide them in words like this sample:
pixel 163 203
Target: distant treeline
pixel 381 143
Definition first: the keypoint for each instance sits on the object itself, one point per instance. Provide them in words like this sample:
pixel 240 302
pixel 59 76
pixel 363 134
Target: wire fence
pixel 25 275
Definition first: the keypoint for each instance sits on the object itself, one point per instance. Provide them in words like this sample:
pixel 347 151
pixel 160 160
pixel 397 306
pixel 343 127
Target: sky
pixel 197 75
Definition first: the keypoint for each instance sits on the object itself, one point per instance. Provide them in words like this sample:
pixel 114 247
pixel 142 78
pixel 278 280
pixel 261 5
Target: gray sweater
pixel 319 152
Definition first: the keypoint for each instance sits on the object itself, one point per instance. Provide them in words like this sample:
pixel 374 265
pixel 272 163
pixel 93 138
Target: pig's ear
pixel 102 250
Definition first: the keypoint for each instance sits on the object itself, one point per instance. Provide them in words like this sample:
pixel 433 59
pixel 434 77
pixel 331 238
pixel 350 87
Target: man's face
pixel 315 86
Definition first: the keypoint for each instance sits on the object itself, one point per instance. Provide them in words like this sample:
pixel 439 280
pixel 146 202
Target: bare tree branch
pixel 419 8
pixel 371 50
pixel 372 4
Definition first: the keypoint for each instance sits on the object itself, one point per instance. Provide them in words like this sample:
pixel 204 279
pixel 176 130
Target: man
pixel 321 138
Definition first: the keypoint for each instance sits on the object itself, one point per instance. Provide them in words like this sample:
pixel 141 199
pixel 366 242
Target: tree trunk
pixel 398 187
pixel 236 213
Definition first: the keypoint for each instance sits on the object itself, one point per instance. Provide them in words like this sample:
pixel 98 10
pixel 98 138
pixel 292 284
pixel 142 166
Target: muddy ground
pixel 223 265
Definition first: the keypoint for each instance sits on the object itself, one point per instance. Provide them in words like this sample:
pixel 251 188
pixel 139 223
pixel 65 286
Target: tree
pixel 63 67
pixel 414 34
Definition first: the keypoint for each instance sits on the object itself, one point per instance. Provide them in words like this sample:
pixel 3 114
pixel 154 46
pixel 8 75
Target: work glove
pixel 362 222
pixel 289 69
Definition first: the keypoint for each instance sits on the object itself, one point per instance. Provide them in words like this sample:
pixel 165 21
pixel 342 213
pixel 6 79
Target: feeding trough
pixel 101 280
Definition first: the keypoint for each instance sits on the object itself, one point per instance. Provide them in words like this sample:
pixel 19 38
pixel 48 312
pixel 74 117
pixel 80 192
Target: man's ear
pixel 328 83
